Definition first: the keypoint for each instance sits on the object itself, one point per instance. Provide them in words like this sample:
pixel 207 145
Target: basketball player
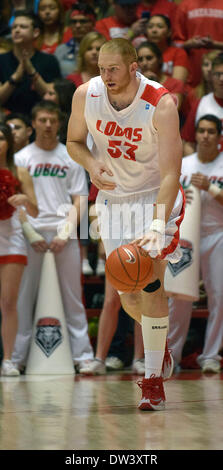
pixel 57 181
pixel 135 159
pixel 204 169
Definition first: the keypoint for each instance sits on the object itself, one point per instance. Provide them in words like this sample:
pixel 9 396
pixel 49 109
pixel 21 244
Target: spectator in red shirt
pixel 150 62
pixel 124 23
pixel 51 15
pixel 212 103
pixel 175 60
pixel 158 7
pixel 197 28
pixel 193 94
pixel 129 18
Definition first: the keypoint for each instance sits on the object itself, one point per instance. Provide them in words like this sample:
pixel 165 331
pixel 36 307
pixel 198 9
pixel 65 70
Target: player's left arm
pixel 203 183
pixel 166 122
pixel 27 197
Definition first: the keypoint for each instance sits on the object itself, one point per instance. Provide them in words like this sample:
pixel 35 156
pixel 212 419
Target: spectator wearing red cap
pixel 100 7
pixel 81 20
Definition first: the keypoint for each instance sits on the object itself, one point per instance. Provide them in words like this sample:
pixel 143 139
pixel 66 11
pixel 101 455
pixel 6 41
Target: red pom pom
pixel 8 185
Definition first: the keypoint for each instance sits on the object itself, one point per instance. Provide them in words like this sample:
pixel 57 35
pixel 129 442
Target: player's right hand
pixel 152 241
pixel 101 175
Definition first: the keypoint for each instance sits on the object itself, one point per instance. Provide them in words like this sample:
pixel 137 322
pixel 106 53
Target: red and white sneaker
pixel 153 395
pixel 168 364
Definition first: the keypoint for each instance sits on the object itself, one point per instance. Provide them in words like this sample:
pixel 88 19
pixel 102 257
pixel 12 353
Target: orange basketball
pixel 129 268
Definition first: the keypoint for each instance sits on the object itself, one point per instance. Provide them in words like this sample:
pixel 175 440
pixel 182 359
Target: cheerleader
pixel 16 191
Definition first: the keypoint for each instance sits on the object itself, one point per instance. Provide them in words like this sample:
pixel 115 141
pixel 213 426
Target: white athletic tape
pixel 31 235
pixel 66 231
pixel 158 225
pixel 214 190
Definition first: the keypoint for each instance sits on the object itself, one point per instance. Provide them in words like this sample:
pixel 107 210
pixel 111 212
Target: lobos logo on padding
pixel 186 260
pixel 131 256
pixel 48 334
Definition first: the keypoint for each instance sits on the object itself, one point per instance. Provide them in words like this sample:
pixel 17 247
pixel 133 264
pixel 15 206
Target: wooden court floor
pixel 91 413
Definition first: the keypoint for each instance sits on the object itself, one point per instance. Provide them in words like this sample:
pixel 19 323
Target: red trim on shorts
pixel 19 259
pixel 152 95
pixel 173 245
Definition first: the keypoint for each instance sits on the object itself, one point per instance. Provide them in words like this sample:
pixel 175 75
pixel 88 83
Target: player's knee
pixel 155 305
pixel 131 300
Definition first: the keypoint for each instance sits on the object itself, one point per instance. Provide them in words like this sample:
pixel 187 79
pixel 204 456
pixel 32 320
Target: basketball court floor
pixel 92 413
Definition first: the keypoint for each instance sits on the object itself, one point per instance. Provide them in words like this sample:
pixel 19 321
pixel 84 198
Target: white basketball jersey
pixel 126 140
pixel 211 210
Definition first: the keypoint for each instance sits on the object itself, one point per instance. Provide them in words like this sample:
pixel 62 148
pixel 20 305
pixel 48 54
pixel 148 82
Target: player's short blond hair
pixel 120 46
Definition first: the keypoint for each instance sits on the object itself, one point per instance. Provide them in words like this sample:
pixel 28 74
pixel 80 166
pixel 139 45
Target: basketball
pixel 129 268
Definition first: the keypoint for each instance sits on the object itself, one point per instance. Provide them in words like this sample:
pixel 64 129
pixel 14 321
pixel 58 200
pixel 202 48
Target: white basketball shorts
pixel 122 219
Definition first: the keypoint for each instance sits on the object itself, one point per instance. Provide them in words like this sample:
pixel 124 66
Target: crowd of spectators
pixel 50 47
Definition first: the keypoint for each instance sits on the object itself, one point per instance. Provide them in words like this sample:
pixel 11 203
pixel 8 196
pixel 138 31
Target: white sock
pixel 154 331
pixel 153 363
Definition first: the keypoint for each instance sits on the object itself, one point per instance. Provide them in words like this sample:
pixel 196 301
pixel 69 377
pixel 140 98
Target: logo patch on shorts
pixel 48 334
pixel 186 260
